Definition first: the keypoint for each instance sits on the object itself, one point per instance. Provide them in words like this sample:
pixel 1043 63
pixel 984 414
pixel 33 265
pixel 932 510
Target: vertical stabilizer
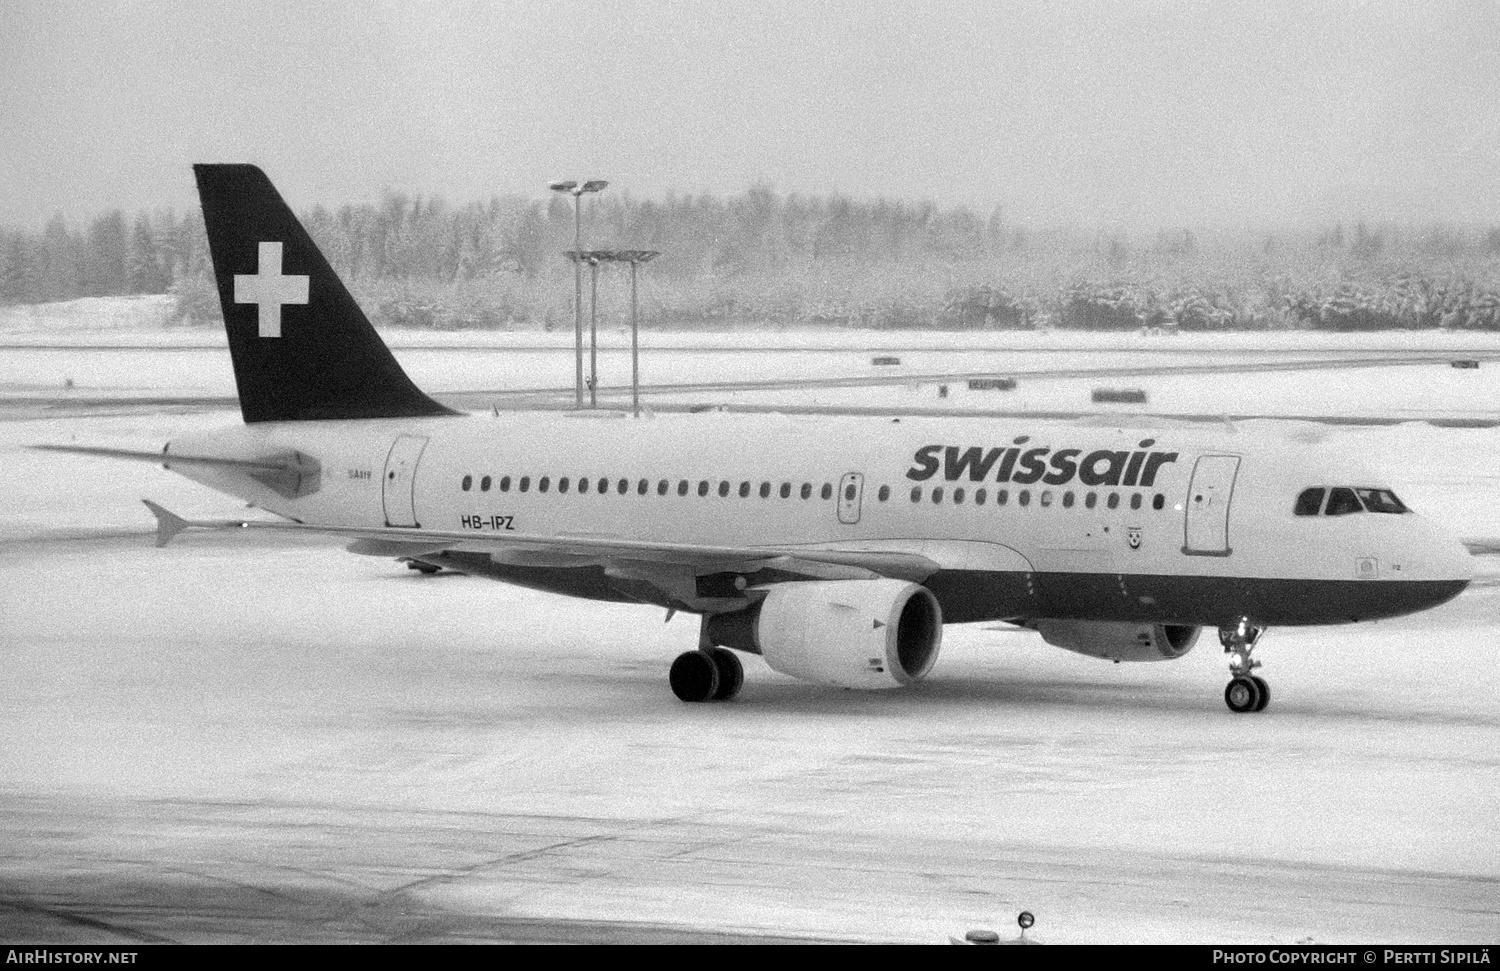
pixel 302 348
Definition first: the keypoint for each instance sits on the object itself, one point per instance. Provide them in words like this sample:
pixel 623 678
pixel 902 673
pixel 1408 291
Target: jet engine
pixel 847 633
pixel 1120 642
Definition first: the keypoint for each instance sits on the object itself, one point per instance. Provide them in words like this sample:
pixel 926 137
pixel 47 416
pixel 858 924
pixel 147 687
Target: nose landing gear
pixel 1246 691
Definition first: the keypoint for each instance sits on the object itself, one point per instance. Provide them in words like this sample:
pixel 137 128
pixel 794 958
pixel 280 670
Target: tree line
pixel 764 257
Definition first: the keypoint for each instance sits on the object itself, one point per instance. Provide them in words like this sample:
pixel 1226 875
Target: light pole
pixel 577 191
pixel 593 330
pixel 635 257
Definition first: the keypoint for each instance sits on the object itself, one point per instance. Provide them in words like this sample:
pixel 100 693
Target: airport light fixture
pixel 635 257
pixel 577 191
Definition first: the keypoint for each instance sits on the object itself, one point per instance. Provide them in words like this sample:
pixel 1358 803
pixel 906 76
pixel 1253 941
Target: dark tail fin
pixel 302 348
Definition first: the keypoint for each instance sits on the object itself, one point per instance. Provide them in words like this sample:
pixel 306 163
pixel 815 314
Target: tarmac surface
pixel 240 740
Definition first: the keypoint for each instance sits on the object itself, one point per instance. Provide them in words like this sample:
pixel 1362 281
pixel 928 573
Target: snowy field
pixel 238 740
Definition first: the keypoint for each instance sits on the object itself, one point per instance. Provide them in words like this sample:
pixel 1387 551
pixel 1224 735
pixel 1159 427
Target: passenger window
pixel 543 483
pixel 765 490
pixel 958 496
pixel 827 492
pixel 583 486
pixel 723 489
pixel 623 487
pixel 702 487
pixel 884 493
pixel 1159 502
pixel 916 493
pixel 807 490
pixel 1342 502
pixel 1046 497
pixel 468 482
pixel 744 490
pixel 1135 501
pixel 1114 500
pixel 1068 499
pixel 1309 502
pixel 682 487
pixel 1001 496
pixel 661 487
pixel 525 483
pixel 1091 500
pixel 1024 497
pixel 979 495
pixel 484 484
pixel 642 487
pixel 937 494
pixel 786 490
pixel 562 484
pixel 1381 500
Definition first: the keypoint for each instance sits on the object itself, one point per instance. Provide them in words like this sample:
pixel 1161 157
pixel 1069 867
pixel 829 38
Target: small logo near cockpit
pixel 1133 537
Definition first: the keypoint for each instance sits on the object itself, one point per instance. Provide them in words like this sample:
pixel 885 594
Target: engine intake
pixel 848 633
pixel 1120 641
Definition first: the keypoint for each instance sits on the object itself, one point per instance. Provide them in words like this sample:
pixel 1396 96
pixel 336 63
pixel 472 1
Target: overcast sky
pixel 1137 114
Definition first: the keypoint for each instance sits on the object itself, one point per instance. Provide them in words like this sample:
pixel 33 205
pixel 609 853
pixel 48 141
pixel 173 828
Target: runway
pixel 238 740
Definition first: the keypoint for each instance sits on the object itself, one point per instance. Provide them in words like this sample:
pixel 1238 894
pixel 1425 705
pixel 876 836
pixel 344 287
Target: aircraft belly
pixel 968 596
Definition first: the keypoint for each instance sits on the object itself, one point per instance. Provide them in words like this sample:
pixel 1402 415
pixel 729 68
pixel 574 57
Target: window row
pixel 957 496
pixel 1045 497
pixel 603 485
pixel 1342 500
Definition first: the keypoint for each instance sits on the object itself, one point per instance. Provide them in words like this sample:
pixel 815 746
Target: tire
pixel 1265 692
pixel 1242 695
pixel 694 677
pixel 731 672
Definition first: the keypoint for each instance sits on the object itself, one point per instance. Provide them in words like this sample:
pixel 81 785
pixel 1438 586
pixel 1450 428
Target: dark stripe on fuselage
pixel 967 596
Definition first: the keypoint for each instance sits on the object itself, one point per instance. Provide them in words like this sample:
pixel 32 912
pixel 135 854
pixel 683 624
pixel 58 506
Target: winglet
pixel 168 524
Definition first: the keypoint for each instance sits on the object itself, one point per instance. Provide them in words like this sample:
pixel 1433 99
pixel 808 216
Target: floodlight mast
pixel 577 191
pixel 636 258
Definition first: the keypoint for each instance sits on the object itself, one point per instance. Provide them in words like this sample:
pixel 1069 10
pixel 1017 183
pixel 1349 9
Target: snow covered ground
pixel 234 739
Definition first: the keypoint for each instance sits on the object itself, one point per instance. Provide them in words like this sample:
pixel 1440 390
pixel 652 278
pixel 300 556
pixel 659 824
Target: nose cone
pixel 1448 570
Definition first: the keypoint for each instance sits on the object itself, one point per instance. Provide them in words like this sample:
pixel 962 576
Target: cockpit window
pixel 1381 500
pixel 1342 502
pixel 1310 502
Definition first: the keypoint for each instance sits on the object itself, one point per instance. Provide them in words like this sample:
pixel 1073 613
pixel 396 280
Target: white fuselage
pixel 1026 519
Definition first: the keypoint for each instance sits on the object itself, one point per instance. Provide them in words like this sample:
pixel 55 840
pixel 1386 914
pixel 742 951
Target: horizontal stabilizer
pixel 249 465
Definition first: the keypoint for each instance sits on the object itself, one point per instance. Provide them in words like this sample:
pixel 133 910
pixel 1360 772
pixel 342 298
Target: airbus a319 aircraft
pixel 836 548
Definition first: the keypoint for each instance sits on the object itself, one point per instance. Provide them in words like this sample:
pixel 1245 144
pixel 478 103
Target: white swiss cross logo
pixel 267 288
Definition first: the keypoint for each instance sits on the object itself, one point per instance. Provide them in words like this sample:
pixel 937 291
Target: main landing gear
pixel 707 674
pixel 1246 691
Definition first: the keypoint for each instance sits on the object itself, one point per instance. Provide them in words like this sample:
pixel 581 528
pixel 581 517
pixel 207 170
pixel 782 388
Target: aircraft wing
pixel 671 568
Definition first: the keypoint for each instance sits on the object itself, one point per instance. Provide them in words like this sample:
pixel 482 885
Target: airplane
pixel 834 547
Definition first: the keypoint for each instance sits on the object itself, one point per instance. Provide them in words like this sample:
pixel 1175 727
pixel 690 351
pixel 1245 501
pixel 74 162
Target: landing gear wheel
pixel 1265 692
pixel 731 672
pixel 1243 695
pixel 426 569
pixel 1246 691
pixel 694 677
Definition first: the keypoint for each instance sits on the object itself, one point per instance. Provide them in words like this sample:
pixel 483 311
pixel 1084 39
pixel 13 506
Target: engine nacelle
pixel 848 633
pixel 1120 642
